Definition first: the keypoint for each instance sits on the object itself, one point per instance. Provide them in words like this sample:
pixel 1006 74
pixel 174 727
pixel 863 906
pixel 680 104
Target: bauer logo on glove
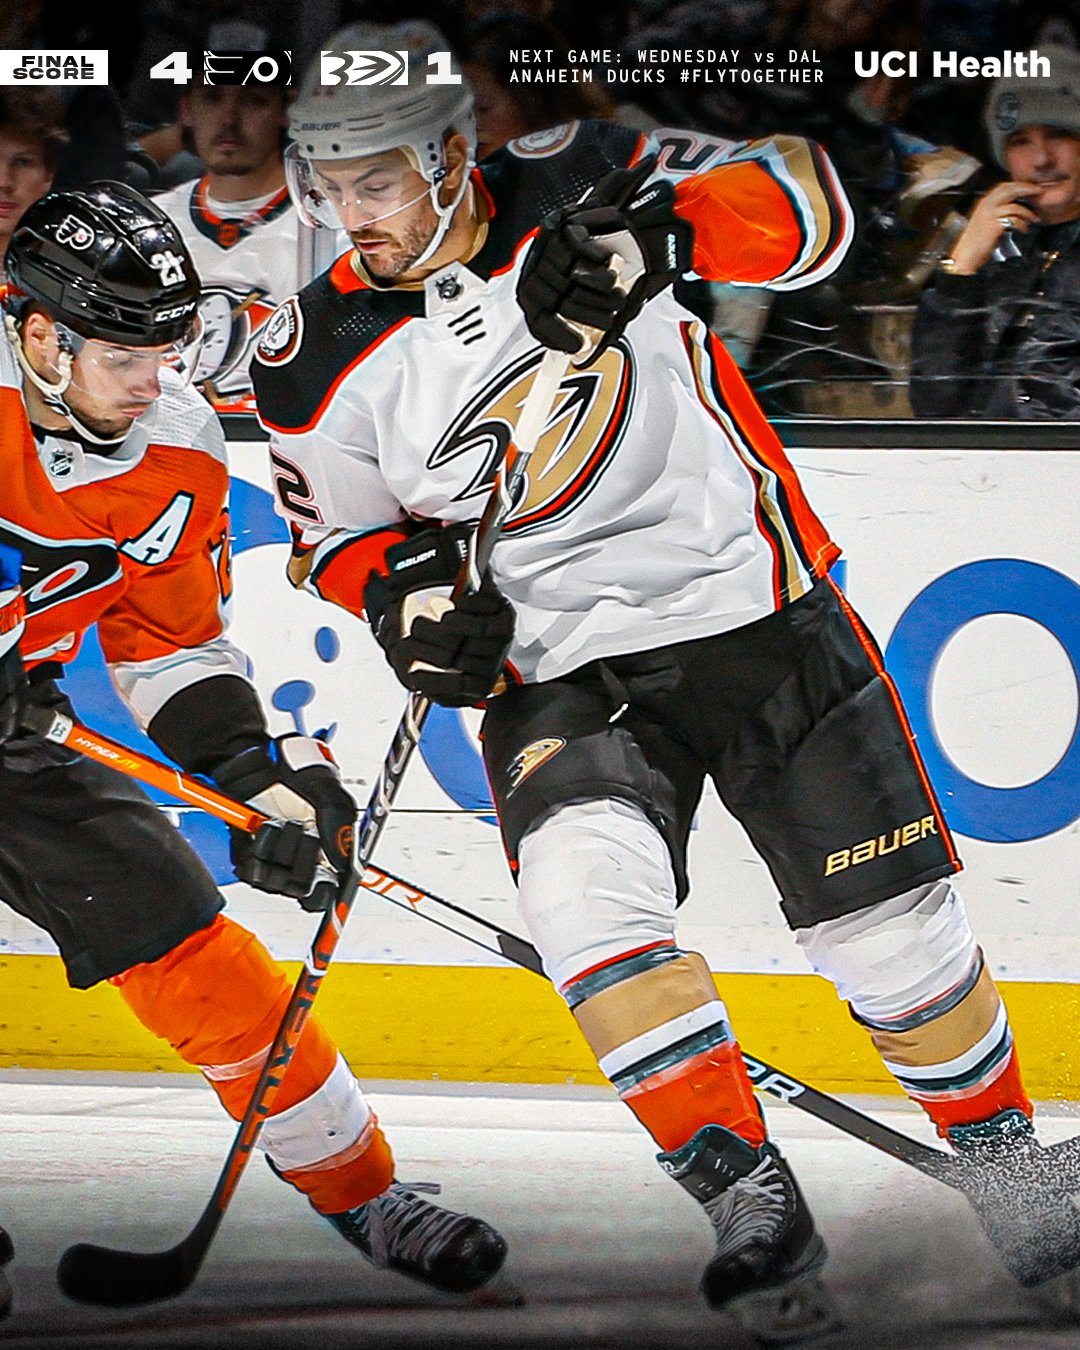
pixel 450 650
pixel 593 265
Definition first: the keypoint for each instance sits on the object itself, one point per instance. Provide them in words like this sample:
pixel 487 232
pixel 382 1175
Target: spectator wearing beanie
pixel 997 334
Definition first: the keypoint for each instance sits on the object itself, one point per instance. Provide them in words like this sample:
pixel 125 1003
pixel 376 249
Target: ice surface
pixel 605 1249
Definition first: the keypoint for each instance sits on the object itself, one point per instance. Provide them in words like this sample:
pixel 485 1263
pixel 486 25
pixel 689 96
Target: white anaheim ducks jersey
pixel 250 255
pixel 659 505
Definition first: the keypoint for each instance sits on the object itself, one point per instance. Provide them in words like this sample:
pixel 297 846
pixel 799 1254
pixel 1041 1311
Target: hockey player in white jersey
pixel 241 228
pixel 658 607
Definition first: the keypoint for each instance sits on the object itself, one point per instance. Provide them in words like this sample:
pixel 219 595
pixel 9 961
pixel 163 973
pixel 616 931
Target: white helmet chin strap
pixel 445 214
pixel 53 394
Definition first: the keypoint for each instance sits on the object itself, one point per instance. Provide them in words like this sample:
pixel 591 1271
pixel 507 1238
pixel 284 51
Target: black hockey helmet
pixel 107 263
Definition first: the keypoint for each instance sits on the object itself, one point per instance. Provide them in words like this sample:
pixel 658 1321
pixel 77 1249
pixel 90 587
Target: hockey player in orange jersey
pixel 114 512
pixel 658 608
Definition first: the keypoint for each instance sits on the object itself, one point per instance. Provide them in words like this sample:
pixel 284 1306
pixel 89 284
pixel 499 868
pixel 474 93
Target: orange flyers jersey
pixel 659 506
pixel 135 541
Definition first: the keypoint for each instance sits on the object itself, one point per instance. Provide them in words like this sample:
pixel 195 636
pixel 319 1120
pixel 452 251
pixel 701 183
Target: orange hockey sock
pixel 218 999
pixel 349 1178
pixel 661 1034
pixel 712 1088
pixel 988 1099
pixel 956 1058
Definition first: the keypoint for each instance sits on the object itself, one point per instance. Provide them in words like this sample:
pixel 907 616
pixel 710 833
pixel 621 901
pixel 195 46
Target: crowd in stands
pixel 956 300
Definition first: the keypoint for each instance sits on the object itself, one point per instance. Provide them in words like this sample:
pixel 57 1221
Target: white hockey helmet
pixel 349 121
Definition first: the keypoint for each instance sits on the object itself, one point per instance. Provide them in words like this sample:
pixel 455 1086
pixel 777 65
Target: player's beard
pixel 236 165
pixel 397 255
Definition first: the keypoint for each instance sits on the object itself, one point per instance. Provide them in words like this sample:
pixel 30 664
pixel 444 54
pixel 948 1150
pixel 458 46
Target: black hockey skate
pixel 400 1231
pixel 765 1271
pixel 1026 1197
pixel 7 1251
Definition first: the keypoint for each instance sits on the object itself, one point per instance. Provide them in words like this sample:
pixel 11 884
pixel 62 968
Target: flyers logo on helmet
pixel 583 432
pixel 75 233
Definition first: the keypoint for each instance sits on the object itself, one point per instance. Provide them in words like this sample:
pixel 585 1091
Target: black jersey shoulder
pixel 532 176
pixel 315 337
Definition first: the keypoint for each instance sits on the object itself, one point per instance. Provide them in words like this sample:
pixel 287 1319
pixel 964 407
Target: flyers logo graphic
pixel 583 433
pixel 64 569
pixel 527 761
pixel 282 335
pixel 75 233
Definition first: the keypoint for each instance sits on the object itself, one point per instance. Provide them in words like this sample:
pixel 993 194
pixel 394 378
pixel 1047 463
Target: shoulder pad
pixel 313 340
pixel 182 418
pixel 536 174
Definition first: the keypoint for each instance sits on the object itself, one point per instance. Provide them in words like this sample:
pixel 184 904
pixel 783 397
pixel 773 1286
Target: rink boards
pixel 965 565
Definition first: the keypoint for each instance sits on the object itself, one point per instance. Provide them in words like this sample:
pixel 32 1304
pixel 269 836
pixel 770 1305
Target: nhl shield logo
pixel 449 287
pixel 75 233
pixel 61 460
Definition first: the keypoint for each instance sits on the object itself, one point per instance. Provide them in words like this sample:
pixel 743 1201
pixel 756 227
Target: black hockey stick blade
pixel 119 1279
pixel 519 951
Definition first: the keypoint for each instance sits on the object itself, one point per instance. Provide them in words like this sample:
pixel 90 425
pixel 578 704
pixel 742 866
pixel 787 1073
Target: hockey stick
pixel 954 1171
pixel 481 932
pixel 107 1275
pixel 63 730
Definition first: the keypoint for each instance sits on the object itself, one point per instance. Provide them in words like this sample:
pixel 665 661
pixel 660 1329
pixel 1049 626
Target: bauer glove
pixel 451 651
pixel 574 299
pixel 13 684
pixel 295 780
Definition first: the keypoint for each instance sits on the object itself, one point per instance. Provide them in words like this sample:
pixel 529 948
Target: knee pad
pixel 897 955
pixel 596 882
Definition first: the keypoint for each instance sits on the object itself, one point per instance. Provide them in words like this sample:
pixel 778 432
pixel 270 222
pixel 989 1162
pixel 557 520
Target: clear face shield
pixel 97 365
pixel 112 384
pixel 357 194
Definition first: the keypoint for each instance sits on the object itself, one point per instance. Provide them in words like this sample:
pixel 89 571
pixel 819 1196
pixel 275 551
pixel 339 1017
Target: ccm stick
pixel 954 1171
pixel 106 1275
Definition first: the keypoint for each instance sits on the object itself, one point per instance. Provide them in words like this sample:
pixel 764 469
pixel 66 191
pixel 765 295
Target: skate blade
pixel 500 1292
pixel 796 1311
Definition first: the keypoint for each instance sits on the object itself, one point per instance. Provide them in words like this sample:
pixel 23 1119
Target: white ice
pixel 605 1250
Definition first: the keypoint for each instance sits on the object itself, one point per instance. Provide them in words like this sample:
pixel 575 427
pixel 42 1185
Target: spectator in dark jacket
pixel 998 333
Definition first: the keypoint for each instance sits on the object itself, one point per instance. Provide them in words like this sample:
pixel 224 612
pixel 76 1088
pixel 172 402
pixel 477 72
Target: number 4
pixel 172 67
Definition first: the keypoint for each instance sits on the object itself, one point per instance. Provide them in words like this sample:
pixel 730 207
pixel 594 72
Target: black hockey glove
pixel 452 652
pixel 574 300
pixel 13 684
pixel 293 779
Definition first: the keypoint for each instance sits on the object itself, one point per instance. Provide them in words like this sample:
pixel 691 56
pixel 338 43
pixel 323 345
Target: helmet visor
pixel 134 365
pixel 354 193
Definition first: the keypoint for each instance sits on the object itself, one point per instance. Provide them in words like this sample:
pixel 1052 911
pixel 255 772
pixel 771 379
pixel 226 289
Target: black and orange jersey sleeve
pixel 768 212
pixel 338 567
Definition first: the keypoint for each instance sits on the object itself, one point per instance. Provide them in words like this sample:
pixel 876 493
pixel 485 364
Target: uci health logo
pixel 36 68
